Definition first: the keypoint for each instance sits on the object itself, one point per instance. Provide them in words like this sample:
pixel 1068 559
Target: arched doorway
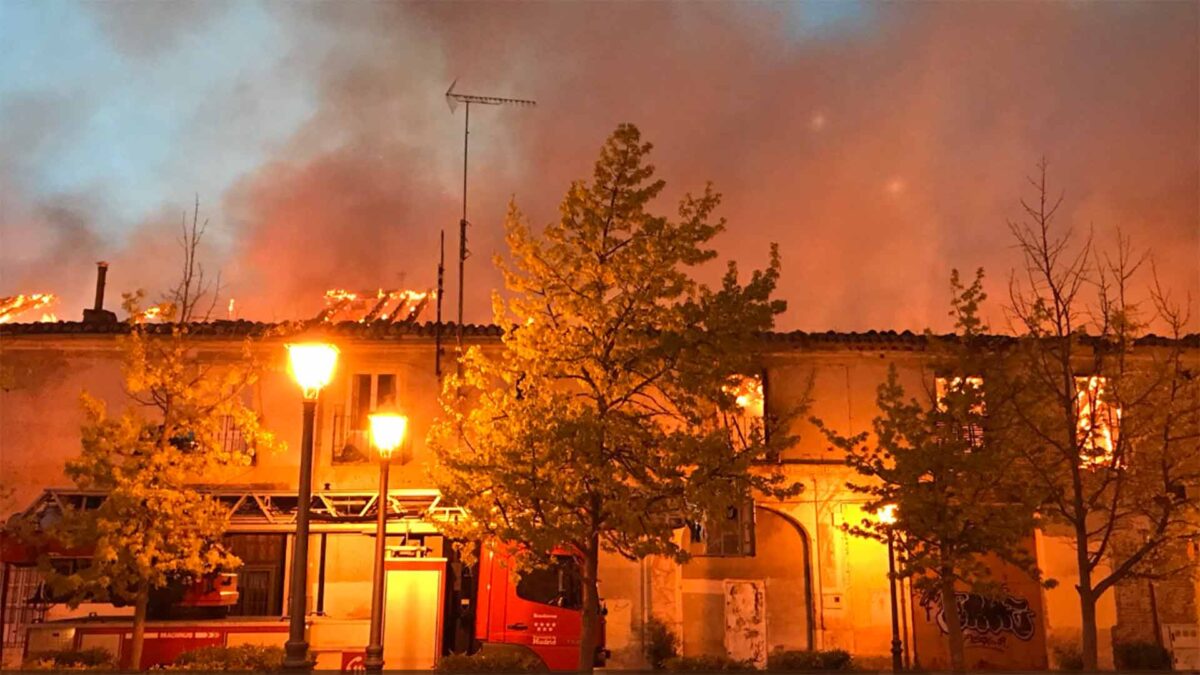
pixel 779 571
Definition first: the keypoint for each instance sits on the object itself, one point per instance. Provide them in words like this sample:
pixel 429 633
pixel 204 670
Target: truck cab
pixel 540 612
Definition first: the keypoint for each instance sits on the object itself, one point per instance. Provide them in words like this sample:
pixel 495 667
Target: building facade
pixel 788 576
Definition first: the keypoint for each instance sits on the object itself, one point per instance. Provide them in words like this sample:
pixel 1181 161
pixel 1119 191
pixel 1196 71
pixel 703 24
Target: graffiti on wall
pixel 987 621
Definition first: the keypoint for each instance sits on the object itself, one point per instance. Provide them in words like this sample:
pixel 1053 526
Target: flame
pixel 1098 422
pixel 15 305
pixel 150 313
pixel 48 317
pixel 369 306
pixel 231 312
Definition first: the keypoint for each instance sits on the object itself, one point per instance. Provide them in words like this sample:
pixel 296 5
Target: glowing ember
pixel 15 305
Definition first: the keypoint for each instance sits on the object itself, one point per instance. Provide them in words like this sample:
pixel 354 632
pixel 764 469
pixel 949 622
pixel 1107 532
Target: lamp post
pixel 387 433
pixel 312 365
pixel 887 516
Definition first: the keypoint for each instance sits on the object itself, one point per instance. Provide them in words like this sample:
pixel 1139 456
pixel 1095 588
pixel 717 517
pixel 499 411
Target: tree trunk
pixel 958 657
pixel 139 626
pixel 1087 615
pixel 590 632
pixel 1087 598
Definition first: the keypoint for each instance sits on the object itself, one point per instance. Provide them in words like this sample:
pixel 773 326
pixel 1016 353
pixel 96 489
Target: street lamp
pixel 312 365
pixel 387 433
pixel 887 516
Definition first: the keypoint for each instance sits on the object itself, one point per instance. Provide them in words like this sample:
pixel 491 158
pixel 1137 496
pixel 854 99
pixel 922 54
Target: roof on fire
pixel 384 331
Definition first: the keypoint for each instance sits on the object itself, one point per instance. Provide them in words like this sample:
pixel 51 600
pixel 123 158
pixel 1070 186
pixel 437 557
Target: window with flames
pixel 1098 422
pixel 971 430
pixel 730 531
pixel 351 422
pixel 747 422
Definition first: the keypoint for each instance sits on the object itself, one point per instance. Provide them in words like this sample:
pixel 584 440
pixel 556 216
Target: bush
pixel 704 664
pixel 1067 654
pixel 97 658
pixel 797 660
pixel 491 662
pixel 244 658
pixel 1141 656
pixel 661 643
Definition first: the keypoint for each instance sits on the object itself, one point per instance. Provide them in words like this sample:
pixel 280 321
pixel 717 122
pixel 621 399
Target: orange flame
pixel 15 305
pixel 150 313
pixel 377 305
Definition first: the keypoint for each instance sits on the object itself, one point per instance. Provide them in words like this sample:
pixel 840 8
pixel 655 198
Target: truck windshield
pixel 559 585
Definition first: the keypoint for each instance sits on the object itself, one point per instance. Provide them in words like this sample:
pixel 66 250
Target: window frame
pixel 350 425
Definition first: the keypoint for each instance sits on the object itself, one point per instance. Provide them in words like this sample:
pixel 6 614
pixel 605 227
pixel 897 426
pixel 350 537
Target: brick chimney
pixel 98 314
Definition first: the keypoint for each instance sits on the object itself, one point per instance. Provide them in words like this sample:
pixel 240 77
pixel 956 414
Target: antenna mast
pixel 453 99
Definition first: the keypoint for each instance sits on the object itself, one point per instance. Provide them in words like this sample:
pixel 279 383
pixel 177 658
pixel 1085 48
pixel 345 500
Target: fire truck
pixel 436 602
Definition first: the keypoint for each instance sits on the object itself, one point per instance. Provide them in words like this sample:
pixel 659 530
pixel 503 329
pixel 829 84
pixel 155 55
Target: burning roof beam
pixel 14 305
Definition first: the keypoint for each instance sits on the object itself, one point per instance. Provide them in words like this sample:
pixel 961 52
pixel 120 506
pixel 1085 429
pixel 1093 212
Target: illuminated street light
pixel 387 434
pixel 312 366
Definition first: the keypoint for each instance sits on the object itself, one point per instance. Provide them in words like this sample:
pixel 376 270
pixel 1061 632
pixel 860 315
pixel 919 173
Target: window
pixel 232 441
pixel 730 532
pixel 351 436
pixel 1098 421
pixel 560 585
pixel 971 427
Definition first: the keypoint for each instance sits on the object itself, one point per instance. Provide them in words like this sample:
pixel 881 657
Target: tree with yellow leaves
pixel 606 420
pixel 154 527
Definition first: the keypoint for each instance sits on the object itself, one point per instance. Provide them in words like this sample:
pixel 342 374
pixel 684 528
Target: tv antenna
pixel 453 98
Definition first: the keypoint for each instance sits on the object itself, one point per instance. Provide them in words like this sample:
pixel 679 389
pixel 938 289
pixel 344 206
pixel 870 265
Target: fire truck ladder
pixel 267 510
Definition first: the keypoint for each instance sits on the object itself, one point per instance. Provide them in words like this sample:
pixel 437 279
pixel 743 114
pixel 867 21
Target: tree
pixel 154 527
pixel 937 467
pixel 1108 418
pixel 607 418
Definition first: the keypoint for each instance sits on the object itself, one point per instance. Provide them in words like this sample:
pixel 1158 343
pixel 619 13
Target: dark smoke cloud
pixel 880 151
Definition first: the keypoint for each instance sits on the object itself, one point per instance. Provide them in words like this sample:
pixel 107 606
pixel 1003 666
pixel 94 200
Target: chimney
pixel 98 314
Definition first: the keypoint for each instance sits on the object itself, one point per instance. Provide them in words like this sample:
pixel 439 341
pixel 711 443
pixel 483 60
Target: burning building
pixel 768 575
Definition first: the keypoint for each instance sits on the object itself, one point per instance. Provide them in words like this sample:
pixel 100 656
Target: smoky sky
pixel 880 145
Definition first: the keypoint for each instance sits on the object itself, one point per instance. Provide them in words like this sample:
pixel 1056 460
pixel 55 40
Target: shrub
pixel 1067 654
pixel 797 660
pixel 1141 656
pixel 661 643
pixel 704 664
pixel 257 658
pixel 491 662
pixel 96 658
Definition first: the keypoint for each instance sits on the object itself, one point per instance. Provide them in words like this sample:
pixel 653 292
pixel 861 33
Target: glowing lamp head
pixel 387 432
pixel 312 365
pixel 887 514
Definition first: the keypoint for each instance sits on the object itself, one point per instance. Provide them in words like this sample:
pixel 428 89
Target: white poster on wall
pixel 746 621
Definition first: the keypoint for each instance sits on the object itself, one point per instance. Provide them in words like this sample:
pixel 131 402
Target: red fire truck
pixel 482 608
